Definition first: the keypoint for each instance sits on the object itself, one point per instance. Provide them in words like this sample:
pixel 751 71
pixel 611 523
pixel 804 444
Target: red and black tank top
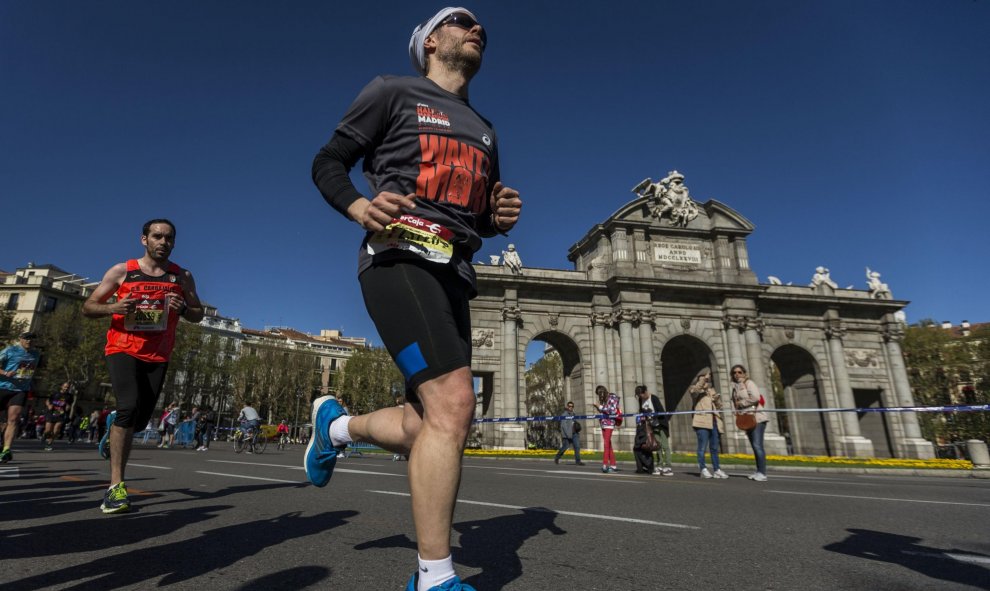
pixel 147 333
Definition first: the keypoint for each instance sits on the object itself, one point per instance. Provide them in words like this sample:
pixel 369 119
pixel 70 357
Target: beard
pixel 455 57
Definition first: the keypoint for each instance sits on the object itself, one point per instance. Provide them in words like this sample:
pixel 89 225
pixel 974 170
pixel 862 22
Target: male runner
pixel 17 365
pixel 151 294
pixel 432 164
pixel 58 405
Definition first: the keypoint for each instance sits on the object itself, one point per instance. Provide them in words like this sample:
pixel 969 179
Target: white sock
pixel 434 572
pixel 339 434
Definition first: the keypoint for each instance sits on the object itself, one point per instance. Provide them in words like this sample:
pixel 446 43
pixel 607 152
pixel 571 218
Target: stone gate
pixel 663 288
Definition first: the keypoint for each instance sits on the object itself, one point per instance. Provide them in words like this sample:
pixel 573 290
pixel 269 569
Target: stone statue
pixel 774 280
pixel 821 277
pixel 670 197
pixel 878 290
pixel 510 259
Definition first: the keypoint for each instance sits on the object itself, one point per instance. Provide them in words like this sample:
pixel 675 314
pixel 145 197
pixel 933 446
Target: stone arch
pixel 570 356
pixel 800 377
pixel 681 359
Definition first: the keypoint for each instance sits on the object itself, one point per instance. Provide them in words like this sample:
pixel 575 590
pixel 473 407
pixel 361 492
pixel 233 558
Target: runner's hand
pixel 124 306
pixel 506 205
pixel 374 215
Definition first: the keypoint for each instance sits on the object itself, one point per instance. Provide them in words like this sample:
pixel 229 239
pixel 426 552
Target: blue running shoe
pixel 104 446
pixel 321 455
pixel 454 584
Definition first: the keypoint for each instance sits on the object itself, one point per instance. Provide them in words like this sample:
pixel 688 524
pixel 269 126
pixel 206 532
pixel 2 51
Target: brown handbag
pixel 651 444
pixel 746 421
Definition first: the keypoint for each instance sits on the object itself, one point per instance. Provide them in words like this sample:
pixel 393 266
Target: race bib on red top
pixel 427 239
pixel 150 315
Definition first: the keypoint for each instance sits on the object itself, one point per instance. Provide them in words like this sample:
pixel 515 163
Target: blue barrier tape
pixel 959 408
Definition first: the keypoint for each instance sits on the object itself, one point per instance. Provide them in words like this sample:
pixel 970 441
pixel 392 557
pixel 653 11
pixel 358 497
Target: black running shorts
pixel 136 384
pixel 10 398
pixel 422 315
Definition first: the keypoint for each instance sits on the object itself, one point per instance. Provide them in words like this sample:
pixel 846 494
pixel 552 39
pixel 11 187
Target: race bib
pixel 427 239
pixel 24 371
pixel 149 315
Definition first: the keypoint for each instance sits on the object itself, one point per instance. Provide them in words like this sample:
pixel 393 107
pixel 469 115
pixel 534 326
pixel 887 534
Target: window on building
pixel 12 301
pixel 48 304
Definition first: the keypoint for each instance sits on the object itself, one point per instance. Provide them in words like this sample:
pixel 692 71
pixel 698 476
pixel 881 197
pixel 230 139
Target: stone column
pixel 628 360
pixel 646 351
pixel 914 445
pixel 852 441
pixel 598 324
pixel 756 367
pixel 732 327
pixel 513 434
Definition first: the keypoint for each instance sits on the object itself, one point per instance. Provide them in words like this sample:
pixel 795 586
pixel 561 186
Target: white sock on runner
pixel 339 434
pixel 434 572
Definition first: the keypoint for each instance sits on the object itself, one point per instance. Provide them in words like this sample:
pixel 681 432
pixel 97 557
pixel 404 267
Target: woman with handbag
pixel 707 421
pixel 749 404
pixel 608 405
pixel 646 443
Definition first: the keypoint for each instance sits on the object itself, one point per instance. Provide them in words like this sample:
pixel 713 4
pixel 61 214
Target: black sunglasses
pixel 463 21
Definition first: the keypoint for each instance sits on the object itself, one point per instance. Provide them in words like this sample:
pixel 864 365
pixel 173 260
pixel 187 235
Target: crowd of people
pixel 651 444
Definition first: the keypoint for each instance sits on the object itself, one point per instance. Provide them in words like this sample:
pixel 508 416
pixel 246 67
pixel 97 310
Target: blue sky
pixel 851 133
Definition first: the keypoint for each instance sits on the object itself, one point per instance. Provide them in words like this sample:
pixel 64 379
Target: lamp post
pixel 295 423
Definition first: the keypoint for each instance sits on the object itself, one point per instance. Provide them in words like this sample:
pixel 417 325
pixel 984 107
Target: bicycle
pixel 283 441
pixel 256 441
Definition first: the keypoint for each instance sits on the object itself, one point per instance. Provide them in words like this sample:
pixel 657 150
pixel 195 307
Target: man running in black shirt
pixel 431 162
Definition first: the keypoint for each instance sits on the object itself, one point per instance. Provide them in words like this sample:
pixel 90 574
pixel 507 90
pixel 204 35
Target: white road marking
pixel 541 509
pixel 149 466
pixel 247 477
pixel 579 476
pixel 337 470
pixel 11 472
pixel 788 492
pixel 953 556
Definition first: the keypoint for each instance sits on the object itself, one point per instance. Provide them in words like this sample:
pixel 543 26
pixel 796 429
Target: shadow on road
pixel 299 577
pixel 489 544
pixel 180 561
pixel 946 565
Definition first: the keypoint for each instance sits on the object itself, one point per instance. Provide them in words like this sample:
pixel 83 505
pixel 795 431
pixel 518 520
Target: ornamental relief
pixel 863 358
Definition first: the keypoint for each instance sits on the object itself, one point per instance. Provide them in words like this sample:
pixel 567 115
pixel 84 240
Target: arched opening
pixel 797 386
pixel 682 358
pixel 553 377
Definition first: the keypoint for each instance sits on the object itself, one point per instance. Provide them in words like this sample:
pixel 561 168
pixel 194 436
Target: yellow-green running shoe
pixel 115 499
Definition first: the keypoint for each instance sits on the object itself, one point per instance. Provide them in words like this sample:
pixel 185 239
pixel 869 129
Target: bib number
pixel 427 239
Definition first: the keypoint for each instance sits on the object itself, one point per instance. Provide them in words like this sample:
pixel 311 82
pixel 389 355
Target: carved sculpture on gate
pixel 669 197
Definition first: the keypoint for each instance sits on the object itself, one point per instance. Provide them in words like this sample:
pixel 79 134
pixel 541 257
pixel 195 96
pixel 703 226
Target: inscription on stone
pixel 682 253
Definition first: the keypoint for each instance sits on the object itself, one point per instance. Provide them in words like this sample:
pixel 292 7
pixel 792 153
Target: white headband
pixel 417 55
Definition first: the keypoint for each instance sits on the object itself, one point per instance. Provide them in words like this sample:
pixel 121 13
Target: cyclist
pixel 250 421
pixel 283 434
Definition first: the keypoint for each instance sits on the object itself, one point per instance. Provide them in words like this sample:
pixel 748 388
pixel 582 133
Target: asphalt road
pixel 217 520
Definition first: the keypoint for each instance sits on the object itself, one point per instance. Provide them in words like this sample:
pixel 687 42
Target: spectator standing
pixel 208 419
pixel 94 426
pixel 747 399
pixel 170 418
pixel 660 425
pixel 75 427
pixel 608 404
pixel 707 421
pixel 569 431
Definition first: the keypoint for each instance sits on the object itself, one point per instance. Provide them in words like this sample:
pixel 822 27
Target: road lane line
pixel 544 510
pixel 788 492
pixel 575 476
pixel 11 472
pixel 248 477
pixel 953 555
pixel 337 470
pixel 149 466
